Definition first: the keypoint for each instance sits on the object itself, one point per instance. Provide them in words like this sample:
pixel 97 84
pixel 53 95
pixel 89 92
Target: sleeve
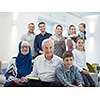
pixel 60 76
pixel 78 76
pixel 11 71
pixel 34 72
pixel 36 46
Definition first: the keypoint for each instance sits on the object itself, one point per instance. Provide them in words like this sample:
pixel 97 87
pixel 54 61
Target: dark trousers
pixel 89 82
pixel 33 83
pixel 13 84
pixel 38 83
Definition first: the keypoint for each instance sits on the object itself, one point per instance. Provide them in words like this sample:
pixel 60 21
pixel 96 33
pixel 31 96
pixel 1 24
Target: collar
pixel 30 33
pixel 49 60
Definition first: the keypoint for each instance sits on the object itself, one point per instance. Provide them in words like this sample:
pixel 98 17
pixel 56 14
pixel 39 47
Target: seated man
pixel 45 66
pixel 67 73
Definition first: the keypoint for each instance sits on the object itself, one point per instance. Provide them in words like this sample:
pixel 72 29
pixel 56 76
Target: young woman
pixel 59 41
pixel 71 39
pixel 20 66
pixel 80 61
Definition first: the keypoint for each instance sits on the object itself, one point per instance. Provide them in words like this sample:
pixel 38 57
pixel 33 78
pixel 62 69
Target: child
pixel 67 73
pixel 82 32
pixel 80 61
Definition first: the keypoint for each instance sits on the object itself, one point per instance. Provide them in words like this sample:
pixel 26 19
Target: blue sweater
pixel 38 41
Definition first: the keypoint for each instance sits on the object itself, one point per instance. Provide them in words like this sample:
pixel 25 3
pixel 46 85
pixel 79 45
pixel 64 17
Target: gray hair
pixel 25 42
pixel 46 41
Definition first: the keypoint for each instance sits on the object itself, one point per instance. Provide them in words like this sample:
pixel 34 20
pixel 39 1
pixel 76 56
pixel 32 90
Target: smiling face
pixel 31 28
pixel 59 30
pixel 72 30
pixel 80 44
pixel 81 28
pixel 48 48
pixel 68 61
pixel 42 28
pixel 25 48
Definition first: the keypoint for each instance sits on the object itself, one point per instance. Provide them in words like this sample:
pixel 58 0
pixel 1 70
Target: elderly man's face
pixel 48 48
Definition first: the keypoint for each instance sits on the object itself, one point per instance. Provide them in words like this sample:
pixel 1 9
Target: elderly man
pixel 45 66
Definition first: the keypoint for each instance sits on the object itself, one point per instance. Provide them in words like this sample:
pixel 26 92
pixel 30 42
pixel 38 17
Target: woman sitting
pixel 19 67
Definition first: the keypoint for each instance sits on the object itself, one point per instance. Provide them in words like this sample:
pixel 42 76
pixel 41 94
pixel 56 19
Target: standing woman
pixel 71 39
pixel 19 67
pixel 59 41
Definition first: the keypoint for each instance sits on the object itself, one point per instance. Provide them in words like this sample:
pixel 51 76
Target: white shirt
pixel 45 69
pixel 79 59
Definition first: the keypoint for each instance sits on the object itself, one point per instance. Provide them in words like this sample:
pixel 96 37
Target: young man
pixel 39 38
pixel 30 36
pixel 67 73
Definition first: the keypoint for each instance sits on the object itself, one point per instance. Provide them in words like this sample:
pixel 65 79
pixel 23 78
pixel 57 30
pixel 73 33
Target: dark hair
pixel 41 23
pixel 83 24
pixel 59 26
pixel 71 26
pixel 78 38
pixel 31 24
pixel 67 54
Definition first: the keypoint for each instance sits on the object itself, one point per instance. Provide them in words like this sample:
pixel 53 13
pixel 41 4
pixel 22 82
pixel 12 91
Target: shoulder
pixel 49 34
pixel 60 68
pixel 38 35
pixel 74 51
pixel 75 68
pixel 38 58
pixel 58 58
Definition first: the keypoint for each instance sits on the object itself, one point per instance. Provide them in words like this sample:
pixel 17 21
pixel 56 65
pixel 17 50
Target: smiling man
pixel 45 66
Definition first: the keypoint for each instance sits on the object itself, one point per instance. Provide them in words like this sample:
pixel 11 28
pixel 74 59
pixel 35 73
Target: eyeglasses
pixel 25 47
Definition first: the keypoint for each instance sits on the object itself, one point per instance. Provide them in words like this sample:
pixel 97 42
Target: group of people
pixel 58 61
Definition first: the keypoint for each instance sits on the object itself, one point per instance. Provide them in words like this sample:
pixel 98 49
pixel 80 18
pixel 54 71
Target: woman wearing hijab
pixel 20 66
pixel 59 41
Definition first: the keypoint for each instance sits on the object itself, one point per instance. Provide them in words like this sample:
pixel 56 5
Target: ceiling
pixel 83 14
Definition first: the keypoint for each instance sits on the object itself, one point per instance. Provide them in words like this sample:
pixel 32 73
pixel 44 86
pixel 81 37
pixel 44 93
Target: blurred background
pixel 14 24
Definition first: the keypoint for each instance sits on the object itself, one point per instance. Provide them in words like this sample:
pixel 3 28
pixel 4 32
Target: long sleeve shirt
pixel 38 42
pixel 45 69
pixel 67 77
pixel 80 59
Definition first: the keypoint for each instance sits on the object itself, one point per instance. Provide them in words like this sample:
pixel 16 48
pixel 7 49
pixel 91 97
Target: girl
pixel 20 66
pixel 80 61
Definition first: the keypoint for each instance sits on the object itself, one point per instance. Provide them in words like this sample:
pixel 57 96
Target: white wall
pixel 14 25
pixel 93 38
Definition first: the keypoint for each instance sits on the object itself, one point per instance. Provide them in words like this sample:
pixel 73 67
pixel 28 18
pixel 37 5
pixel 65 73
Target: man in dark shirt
pixel 39 38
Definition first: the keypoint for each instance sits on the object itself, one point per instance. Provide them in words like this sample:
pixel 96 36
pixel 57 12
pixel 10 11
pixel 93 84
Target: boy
pixel 67 73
